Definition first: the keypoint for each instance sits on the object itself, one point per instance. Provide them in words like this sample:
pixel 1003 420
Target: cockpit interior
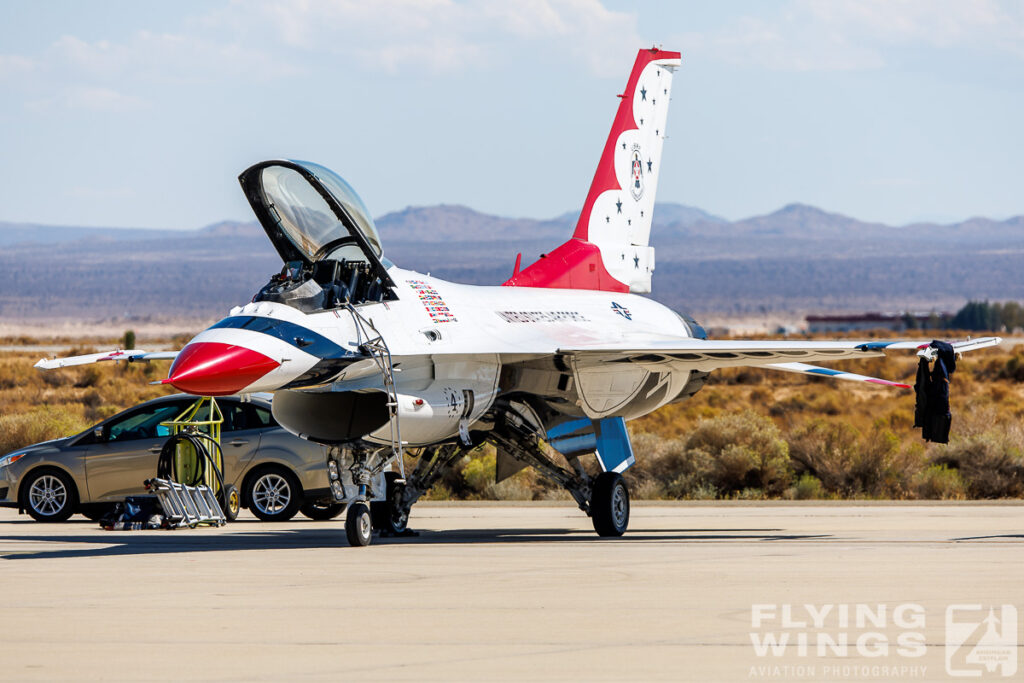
pixel 324 285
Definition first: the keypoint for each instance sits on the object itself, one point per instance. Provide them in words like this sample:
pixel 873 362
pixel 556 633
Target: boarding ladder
pixel 372 343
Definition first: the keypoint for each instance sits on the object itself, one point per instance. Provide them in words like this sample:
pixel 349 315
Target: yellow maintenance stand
pixel 202 417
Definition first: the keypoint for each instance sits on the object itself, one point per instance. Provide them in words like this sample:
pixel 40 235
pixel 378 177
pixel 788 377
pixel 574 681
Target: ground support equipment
pixel 187 506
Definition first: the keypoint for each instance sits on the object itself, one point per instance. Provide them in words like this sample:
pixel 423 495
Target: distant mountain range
pixel 799 258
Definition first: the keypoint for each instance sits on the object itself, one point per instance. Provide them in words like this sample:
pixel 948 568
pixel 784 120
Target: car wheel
pixel 321 512
pixel 274 494
pixel 49 496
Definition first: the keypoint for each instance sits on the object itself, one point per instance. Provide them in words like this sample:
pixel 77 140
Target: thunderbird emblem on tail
pixel 636 188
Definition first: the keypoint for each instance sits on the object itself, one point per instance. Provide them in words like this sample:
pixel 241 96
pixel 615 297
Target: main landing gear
pixel 604 498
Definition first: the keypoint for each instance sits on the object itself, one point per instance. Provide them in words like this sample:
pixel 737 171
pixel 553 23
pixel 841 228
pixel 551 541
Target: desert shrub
pixel 938 482
pixel 990 463
pixel 477 479
pixel 89 377
pixel 14 375
pixel 851 464
pixel 702 492
pixel 807 487
pixel 1013 368
pixel 665 468
pixel 793 404
pixel 827 404
pixel 760 396
pixel 478 473
pixel 900 419
pixel 438 491
pixel 745 451
pixel 55 378
pixel 520 486
pixel 41 424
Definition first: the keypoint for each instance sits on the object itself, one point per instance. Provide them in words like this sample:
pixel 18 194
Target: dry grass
pixel 748 434
pixel 37 406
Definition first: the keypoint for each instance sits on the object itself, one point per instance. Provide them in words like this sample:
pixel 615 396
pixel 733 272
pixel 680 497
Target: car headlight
pixel 12 458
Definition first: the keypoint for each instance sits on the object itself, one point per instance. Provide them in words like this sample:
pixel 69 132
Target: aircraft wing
pixel 709 354
pixel 132 356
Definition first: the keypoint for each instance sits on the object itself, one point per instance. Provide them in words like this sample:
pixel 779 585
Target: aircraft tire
pixel 609 504
pixel 358 526
pixel 385 517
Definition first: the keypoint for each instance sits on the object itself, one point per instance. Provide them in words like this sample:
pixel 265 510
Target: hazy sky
pixel 143 113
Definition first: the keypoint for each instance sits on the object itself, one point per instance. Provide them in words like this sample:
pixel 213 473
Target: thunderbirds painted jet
pixel 374 360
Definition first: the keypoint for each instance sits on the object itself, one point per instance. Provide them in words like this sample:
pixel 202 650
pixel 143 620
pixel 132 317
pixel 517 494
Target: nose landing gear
pixel 358 526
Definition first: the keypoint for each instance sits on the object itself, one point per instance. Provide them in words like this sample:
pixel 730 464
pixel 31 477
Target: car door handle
pixel 156 449
pixel 239 442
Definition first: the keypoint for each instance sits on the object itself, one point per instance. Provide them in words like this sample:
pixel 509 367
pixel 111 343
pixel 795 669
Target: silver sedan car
pixel 276 473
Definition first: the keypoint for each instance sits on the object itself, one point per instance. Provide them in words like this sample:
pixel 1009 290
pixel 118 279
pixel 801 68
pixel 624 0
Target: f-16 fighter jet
pixel 375 361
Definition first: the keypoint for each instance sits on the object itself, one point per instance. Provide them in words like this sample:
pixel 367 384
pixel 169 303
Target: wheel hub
pixel 271 494
pixel 619 506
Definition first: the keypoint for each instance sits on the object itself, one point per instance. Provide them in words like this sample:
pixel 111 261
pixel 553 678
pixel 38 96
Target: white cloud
pixel 90 98
pixel 263 40
pixel 165 57
pixel 444 35
pixel 841 35
pixel 15 65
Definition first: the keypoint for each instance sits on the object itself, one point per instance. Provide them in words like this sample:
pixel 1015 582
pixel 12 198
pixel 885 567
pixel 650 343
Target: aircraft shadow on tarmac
pixel 333 536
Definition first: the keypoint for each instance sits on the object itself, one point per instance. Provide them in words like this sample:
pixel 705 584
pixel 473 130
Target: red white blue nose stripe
pixel 218 369
pixel 228 359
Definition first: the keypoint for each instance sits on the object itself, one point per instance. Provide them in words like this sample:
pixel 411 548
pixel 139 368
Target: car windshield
pixel 144 424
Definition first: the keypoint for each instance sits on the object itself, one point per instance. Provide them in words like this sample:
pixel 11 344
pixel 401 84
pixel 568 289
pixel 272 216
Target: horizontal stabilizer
pixel 804 369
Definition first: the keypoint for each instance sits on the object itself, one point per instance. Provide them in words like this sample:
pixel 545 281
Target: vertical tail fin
pixel 609 250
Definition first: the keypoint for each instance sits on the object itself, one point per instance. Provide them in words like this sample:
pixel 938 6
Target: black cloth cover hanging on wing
pixel 931 411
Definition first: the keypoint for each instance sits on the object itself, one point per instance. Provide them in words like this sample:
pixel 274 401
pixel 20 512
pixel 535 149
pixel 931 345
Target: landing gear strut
pixel 604 498
pixel 364 466
pixel 391 515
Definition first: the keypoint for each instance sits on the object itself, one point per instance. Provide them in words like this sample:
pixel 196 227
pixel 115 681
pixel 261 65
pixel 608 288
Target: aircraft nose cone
pixel 215 369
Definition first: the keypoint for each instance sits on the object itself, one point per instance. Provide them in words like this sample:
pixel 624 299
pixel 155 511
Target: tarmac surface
pixel 524 592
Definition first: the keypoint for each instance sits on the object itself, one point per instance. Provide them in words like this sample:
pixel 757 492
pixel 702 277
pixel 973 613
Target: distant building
pixel 897 322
